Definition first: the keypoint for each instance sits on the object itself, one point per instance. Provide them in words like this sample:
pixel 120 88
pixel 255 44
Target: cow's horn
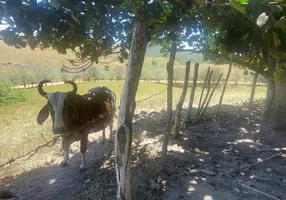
pixel 74 87
pixel 40 87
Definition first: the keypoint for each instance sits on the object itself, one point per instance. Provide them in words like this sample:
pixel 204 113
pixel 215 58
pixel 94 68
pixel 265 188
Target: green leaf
pixel 55 4
pixel 222 49
pixel 198 2
pixel 276 76
pixel 161 3
pixel 220 26
pixel 74 18
pixel 242 1
pixel 281 23
pixel 276 8
pixel 164 18
pixel 254 8
pixel 276 39
pixel 268 38
pixel 244 38
pixel 237 6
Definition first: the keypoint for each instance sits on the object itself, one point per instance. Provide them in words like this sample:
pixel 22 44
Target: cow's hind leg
pixel 83 147
pixel 111 136
pixel 66 142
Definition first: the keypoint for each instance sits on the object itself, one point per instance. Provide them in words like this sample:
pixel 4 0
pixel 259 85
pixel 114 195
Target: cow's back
pixel 101 103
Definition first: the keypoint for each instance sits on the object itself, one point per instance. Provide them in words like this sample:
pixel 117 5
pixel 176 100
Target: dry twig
pixel 258 191
pixel 272 149
pixel 247 167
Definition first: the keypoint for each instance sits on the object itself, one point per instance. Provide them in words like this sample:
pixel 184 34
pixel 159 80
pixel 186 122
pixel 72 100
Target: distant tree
pixel 216 73
pixel 179 74
pixel 154 62
pixel 119 73
pixel 202 74
pixel 146 73
pixel 106 67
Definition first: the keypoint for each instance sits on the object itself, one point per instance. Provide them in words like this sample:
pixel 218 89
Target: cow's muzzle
pixel 59 130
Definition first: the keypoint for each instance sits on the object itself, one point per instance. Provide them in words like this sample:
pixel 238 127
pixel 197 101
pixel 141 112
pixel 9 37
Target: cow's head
pixel 61 107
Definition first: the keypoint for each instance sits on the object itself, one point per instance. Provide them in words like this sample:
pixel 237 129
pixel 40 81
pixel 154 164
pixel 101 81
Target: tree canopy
pixel 93 29
pixel 248 32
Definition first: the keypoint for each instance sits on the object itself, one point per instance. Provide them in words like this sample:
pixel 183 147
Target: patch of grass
pixel 9 96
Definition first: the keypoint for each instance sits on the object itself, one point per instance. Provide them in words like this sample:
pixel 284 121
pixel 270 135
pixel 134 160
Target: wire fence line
pixel 53 141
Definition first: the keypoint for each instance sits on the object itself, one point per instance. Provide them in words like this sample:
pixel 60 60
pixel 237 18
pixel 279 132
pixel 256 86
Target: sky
pixel 2 27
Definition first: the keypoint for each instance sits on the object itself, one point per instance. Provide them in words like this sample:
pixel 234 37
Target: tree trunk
pixel 224 88
pixel 252 91
pixel 275 105
pixel 203 89
pixel 182 99
pixel 170 71
pixel 192 96
pixel 123 138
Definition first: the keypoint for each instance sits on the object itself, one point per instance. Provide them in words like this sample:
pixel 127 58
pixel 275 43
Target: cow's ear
pixel 43 114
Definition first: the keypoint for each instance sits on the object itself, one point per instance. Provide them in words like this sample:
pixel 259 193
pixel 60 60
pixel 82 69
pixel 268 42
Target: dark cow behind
pixel 74 116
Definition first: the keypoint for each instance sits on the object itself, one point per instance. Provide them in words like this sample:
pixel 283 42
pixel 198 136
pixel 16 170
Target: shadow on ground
pixel 209 161
pixel 53 182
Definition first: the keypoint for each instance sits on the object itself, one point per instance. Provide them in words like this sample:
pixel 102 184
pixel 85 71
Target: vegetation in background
pixel 9 96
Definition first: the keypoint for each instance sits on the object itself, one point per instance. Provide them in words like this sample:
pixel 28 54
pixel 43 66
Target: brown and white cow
pixel 74 116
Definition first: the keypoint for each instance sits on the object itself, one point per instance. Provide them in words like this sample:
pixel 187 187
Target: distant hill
pixel 154 51
pixel 51 58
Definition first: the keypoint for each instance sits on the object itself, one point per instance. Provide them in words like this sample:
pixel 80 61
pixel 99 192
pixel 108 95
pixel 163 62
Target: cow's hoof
pixel 82 170
pixel 63 164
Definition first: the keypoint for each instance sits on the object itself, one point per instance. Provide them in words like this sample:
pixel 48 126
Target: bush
pixel 9 95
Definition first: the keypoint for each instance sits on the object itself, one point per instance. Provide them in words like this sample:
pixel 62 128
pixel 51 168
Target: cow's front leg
pixel 103 136
pixel 83 147
pixel 66 146
pixel 111 135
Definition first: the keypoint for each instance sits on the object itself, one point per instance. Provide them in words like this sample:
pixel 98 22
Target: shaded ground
pixel 215 156
pixel 49 181
pixel 206 162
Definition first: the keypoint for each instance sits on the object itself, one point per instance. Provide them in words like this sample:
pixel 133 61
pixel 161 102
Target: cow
pixel 74 116
pixel 8 195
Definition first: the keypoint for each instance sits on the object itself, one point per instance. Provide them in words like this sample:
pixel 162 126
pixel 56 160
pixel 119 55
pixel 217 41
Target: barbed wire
pixel 32 152
pixel 54 140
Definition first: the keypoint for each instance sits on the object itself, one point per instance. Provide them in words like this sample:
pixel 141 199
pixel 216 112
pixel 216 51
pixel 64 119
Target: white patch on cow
pixel 83 161
pixel 57 100
pixel 66 156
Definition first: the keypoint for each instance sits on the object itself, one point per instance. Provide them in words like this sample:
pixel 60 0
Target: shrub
pixel 9 95
pixel 154 62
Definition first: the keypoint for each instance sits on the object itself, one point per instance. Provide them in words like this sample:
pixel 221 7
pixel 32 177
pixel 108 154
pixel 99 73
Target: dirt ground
pixel 212 160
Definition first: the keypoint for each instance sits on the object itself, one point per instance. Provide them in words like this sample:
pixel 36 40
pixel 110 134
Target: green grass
pixel 20 132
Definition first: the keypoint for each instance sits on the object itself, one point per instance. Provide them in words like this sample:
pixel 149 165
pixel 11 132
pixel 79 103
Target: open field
pixel 26 66
pixel 217 144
